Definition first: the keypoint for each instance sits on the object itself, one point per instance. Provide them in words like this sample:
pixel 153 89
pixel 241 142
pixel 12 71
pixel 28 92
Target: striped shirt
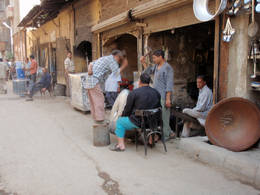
pixel 163 78
pixel 102 68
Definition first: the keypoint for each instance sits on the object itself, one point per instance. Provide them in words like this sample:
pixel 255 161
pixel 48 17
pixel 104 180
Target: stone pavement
pixel 245 165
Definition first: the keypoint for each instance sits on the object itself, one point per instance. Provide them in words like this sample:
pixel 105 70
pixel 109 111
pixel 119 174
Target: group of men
pixel 145 97
pixel 30 70
pixel 31 73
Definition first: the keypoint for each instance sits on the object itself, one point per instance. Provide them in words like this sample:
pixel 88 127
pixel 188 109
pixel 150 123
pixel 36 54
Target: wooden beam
pixel 217 41
pixel 139 12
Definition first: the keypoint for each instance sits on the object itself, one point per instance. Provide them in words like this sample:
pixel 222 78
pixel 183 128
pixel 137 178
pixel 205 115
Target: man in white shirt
pixel 69 69
pixel 112 88
pixel 203 106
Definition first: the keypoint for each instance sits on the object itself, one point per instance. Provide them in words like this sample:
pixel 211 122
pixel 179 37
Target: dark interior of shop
pixel 190 51
pixel 127 43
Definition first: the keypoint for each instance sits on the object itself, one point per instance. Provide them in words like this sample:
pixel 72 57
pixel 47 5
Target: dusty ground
pixel 46 149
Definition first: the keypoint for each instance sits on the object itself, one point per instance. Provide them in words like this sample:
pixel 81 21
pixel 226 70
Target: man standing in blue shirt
pixel 163 83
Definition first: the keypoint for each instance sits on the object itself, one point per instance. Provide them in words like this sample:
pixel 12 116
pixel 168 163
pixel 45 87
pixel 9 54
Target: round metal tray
pixel 234 124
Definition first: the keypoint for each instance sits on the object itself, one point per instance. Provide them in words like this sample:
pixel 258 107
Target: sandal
pixel 172 136
pixel 115 148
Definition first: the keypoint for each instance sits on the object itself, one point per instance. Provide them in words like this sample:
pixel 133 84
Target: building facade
pixel 93 28
pixel 6 13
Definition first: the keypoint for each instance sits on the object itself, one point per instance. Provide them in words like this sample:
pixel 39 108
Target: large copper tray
pixel 234 124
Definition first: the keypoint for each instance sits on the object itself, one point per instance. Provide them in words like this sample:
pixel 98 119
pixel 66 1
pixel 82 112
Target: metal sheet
pixel 79 97
pixel 234 124
pixel 201 10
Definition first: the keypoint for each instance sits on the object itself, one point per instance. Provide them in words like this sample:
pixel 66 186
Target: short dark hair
pixel 159 53
pixel 202 77
pixel 117 52
pixel 32 56
pixel 145 78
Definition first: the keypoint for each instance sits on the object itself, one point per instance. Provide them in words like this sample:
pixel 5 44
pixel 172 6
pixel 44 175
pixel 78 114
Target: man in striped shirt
pixel 98 72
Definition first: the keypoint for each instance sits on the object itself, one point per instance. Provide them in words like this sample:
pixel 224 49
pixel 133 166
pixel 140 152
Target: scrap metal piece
pixel 234 124
pixel 201 10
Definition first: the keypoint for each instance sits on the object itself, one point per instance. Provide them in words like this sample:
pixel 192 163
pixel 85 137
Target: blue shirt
pixel 163 78
pixel 46 80
pixel 205 101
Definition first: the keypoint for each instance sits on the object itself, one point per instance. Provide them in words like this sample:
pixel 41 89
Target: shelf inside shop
pixel 257 57
pixel 255 89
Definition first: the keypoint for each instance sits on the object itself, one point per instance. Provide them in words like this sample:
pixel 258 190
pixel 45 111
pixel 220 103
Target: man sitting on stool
pixel 200 112
pixel 43 85
pixel 142 98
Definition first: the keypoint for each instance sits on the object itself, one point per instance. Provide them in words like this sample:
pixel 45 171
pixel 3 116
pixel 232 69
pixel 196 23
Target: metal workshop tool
pixel 201 9
pixel 253 26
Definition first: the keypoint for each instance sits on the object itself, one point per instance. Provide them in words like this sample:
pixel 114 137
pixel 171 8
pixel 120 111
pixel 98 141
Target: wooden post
pixel 139 49
pixel 216 56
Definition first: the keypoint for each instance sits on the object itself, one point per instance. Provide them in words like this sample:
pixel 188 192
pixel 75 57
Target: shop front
pixel 189 44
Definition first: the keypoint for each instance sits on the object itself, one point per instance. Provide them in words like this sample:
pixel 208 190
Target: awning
pixel 139 12
pixel 46 11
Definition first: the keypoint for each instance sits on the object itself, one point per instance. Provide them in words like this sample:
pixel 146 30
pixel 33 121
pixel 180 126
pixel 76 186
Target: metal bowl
pixel 234 124
pixel 201 10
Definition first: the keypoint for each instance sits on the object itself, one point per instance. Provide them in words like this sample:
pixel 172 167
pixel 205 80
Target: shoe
pixel 29 99
pixel 116 148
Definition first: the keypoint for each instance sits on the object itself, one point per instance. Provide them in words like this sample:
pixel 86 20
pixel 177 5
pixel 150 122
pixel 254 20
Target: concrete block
pixel 257 177
pixel 242 166
pixel 213 155
pixel 189 147
pixel 101 136
pixel 245 167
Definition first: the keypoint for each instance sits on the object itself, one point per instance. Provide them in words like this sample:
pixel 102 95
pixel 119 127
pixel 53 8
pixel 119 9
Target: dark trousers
pixel 111 98
pixel 35 88
pixel 33 78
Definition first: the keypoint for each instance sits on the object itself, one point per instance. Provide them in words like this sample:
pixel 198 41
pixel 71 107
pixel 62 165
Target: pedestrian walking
pixel 33 69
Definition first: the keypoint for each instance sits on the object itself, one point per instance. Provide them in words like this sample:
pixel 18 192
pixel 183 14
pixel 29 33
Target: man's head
pixel 201 81
pixel 144 80
pixel 69 54
pixel 44 70
pixel 118 55
pixel 1 59
pixel 158 56
pixel 31 57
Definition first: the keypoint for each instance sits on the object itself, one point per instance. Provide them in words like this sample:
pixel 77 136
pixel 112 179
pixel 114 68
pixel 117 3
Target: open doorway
pixel 190 51
pixel 83 56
